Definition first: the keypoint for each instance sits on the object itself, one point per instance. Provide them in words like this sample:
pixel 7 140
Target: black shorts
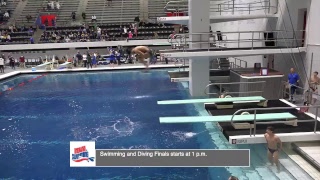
pixel 1 66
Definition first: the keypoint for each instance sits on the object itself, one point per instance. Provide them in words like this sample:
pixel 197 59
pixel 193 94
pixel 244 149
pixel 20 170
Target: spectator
pixel 156 36
pixel 28 17
pixel 6 15
pixel 93 18
pixel 109 2
pixel 12 62
pixel 130 35
pixel 136 31
pixel 31 40
pixel 3 2
pixel 57 5
pixel 1 65
pixel 73 15
pixel 84 59
pixel 83 15
pixel 22 62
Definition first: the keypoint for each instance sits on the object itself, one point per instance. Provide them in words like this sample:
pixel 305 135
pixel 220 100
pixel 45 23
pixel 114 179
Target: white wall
pixel 291 22
pixel 244 25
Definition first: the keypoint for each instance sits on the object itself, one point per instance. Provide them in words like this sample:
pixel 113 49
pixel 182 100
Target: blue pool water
pixel 40 115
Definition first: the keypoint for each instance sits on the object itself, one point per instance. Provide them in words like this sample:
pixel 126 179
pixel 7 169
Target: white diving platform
pixel 214 18
pixel 232 53
pixel 44 64
pixel 213 100
pixel 227 118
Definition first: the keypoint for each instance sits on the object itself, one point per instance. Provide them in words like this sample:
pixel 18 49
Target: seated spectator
pixel 6 15
pixel 156 36
pixel 83 15
pixel 109 2
pixel 28 17
pixel 31 40
pixel 130 35
pixel 94 18
pixel 73 15
pixel 51 5
pixel 3 2
pixel 57 5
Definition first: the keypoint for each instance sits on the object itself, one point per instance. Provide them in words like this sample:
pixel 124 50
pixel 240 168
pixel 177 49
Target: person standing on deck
pixel 1 65
pixel 314 85
pixel 89 58
pixel 274 146
pixel 293 80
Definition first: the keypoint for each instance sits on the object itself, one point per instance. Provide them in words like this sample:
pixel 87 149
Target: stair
pixel 224 63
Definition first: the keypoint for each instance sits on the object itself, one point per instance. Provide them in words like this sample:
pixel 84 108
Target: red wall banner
pixel 169 14
pixel 49 17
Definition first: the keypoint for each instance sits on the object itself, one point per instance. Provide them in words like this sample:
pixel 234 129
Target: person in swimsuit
pixel 274 146
pixel 142 53
pixel 314 83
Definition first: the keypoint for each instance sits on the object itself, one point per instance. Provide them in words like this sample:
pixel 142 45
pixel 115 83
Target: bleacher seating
pixel 33 7
pixel 113 30
pixel 18 36
pixel 156 9
pixel 67 6
pixel 10 7
pixel 121 11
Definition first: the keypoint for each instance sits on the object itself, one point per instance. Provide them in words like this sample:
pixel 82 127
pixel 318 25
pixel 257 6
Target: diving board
pixel 66 63
pixel 227 118
pixel 44 64
pixel 212 100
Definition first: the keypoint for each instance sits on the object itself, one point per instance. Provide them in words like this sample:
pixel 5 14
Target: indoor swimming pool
pixel 41 113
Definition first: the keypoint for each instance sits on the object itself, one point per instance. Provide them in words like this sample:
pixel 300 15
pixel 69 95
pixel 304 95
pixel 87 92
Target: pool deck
pixel 13 72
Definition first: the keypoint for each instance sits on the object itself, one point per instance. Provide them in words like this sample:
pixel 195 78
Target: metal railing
pixel 244 39
pixel 220 85
pixel 232 6
pixel 177 6
pixel 229 6
pixel 307 92
pixel 315 120
pixel 238 63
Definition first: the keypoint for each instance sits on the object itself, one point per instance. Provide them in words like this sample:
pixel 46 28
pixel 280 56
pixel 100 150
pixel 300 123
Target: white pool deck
pixel 313 150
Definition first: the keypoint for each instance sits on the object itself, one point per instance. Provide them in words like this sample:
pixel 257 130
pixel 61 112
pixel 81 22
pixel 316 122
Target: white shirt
pixel 1 61
pixel 93 17
pixel 6 14
pixel 84 57
pixel 125 30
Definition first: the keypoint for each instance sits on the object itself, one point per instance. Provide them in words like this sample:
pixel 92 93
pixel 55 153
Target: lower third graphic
pixel 81 154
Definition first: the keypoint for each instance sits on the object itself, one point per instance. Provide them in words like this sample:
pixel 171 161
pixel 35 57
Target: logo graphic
pixel 234 141
pixel 82 153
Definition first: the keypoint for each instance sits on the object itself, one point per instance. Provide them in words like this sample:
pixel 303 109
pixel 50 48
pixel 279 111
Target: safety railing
pixel 238 63
pixel 232 6
pixel 315 120
pixel 307 93
pixel 226 7
pixel 243 39
pixel 177 6
pixel 220 85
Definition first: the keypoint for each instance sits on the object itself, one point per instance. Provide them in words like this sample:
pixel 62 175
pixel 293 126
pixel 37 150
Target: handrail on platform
pixel 250 7
pixel 251 37
pixel 234 83
pixel 315 120
pixel 229 6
